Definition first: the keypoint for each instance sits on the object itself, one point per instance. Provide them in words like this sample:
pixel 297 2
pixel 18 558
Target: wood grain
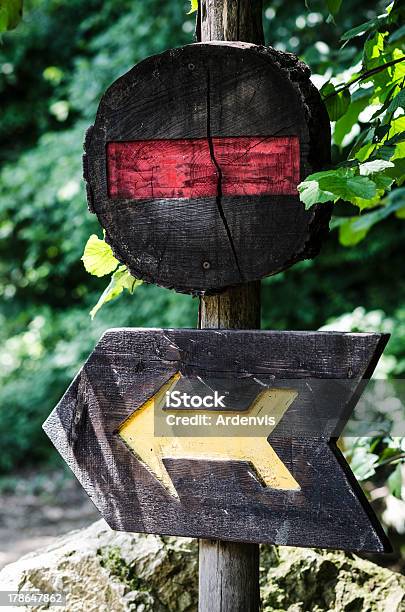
pixel 220 499
pixel 228 577
pixel 237 308
pixel 212 92
pixel 153 169
pixel 230 20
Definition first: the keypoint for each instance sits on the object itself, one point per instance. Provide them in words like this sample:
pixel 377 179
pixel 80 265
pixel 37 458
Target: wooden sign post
pixel 229 571
pixel 192 168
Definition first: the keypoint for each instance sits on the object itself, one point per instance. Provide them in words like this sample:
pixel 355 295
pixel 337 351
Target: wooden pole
pixel 229 571
pixel 231 20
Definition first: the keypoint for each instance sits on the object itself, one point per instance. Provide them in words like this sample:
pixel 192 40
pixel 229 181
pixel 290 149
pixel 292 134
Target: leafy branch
pixel 364 77
pixel 368 454
pixel 392 460
pixel 372 148
pixel 98 260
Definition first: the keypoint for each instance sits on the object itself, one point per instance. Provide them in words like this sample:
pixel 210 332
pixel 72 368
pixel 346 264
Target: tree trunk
pixel 229 571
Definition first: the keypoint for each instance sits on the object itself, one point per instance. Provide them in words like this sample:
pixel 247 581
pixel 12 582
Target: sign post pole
pixel 229 571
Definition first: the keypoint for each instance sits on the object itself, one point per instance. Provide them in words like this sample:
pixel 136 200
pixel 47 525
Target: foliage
pixel 334 6
pixel 375 161
pixel 51 79
pixel 120 280
pixel 366 455
pixel 10 14
pixel 383 452
pixel 98 259
pixel 356 183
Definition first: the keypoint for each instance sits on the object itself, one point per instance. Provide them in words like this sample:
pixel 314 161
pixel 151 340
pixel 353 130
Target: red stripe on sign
pixel 186 169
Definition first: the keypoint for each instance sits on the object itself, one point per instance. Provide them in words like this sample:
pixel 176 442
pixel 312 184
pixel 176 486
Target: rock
pixel 107 571
pixel 301 580
pixel 102 570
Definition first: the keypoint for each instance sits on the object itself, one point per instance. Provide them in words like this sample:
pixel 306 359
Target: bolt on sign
pixel 193 163
pixel 222 434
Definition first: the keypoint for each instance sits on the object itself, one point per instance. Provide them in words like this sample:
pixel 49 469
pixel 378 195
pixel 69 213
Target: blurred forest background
pixel 54 68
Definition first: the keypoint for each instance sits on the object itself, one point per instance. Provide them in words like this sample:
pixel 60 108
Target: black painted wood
pixel 210 90
pixel 220 499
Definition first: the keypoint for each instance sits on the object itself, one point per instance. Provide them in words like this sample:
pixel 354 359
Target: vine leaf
pixel 120 280
pixel 336 102
pixel 98 258
pixel 395 482
pixel 363 463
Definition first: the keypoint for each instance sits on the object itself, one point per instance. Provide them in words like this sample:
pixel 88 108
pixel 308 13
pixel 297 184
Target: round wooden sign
pixel 193 163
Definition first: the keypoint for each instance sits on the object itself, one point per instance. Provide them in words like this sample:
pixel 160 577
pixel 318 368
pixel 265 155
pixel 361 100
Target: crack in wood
pixel 79 411
pixel 214 160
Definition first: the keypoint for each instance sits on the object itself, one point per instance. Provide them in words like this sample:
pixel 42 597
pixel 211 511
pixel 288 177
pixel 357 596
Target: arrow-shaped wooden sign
pixel 124 427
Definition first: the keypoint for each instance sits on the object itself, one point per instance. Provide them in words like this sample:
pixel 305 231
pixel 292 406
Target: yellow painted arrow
pixel 138 434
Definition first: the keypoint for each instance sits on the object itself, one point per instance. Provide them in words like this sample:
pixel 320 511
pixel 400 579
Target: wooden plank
pixel 166 169
pixel 220 499
pixel 195 233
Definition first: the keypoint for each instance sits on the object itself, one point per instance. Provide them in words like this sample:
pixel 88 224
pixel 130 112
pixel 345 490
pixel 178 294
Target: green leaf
pixel 397 35
pixel 363 463
pixel 310 192
pixel 337 102
pixel 350 187
pixel 396 139
pixel 373 49
pixel 395 482
pixel 120 280
pixel 397 102
pixel 383 183
pixel 10 14
pixel 344 125
pixel 372 167
pixel 397 173
pixel 360 30
pixel 193 6
pixel 98 258
pixel 383 152
pixel 348 234
pixel 364 140
pixel 387 102
pixel 355 229
pixel 334 6
pixel 341 183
